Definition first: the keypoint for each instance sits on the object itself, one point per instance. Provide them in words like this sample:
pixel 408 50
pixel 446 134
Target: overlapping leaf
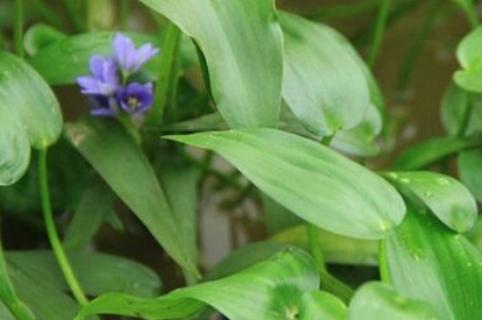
pixel 270 290
pixel 470 170
pixel 427 261
pixel 468 55
pixel 29 115
pixel 124 166
pixel 323 188
pixel 242 43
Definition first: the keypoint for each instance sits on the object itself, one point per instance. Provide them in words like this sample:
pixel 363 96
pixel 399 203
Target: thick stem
pixel 333 285
pixel 382 262
pixel 378 31
pixel 123 14
pixel 315 246
pixel 18 28
pixel 53 236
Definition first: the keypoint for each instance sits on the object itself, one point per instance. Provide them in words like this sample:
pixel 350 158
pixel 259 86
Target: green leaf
pixel 320 183
pixel 427 261
pixel 468 55
pixel 8 295
pixel 270 290
pixel 455 104
pixel 321 305
pixel 95 207
pixel 242 43
pixel 377 301
pixel 277 217
pixel 40 36
pixel 446 197
pixel 318 69
pixel 470 170
pixel 336 249
pixel 33 117
pixel 427 152
pixel 125 168
pixel 98 273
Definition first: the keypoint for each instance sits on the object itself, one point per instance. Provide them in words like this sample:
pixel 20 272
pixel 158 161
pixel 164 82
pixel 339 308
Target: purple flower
pixel 135 98
pixel 103 106
pixel 128 57
pixel 104 79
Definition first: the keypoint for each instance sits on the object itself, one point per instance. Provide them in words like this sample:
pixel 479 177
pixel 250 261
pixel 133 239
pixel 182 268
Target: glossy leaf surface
pixel 125 168
pixel 446 197
pixel 272 290
pixel 468 55
pixel 322 185
pixel 427 261
pixel 321 305
pixel 242 43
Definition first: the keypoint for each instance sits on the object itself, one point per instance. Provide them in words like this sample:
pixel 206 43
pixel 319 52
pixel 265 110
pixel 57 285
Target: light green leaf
pixel 33 117
pixel 454 107
pixel 336 249
pixel 242 43
pixel 270 290
pixel 427 261
pixel 318 71
pixel 320 182
pixel 321 305
pixel 125 168
pixel 377 301
pixel 447 198
pixel 470 170
pixel 40 36
pixel 468 55
pixel 98 273
pixel 427 152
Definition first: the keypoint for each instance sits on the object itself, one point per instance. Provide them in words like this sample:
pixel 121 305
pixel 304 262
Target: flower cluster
pixel 108 87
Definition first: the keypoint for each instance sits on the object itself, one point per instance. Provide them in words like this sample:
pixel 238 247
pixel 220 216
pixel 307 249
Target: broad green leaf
pixel 321 305
pixel 321 187
pixel 277 218
pixel 455 104
pixel 95 207
pixel 427 152
pixel 270 290
pixel 40 36
pixel 468 55
pixel 98 273
pixel 446 197
pixel 33 117
pixel 336 249
pixel 475 235
pixel 318 72
pixel 427 261
pixel 72 55
pixel 125 168
pixel 377 301
pixel 470 171
pixel 8 295
pixel 242 43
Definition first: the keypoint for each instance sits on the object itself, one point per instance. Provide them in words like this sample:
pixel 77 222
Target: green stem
pixel 53 236
pixel 315 246
pixel 417 45
pixel 378 31
pixel 47 13
pixel 333 285
pixel 341 10
pixel 73 15
pixel 466 117
pixel 382 262
pixel 123 13
pixel 470 12
pixel 18 28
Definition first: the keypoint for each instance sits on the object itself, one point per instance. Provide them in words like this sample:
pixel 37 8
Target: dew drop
pixel 428 194
pixel 405 180
pixel 443 181
pixel 393 175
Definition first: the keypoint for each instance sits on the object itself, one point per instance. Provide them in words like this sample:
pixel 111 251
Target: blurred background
pixel 414 67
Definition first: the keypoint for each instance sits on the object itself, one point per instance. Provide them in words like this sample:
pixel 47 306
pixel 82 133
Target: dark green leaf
pixel 321 305
pixel 447 198
pixel 98 273
pixel 33 117
pixel 318 69
pixel 270 290
pixel 277 217
pixel 320 183
pixel 242 43
pixel 470 170
pixel 430 151
pixel 427 261
pixel 127 171
pixel 377 301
